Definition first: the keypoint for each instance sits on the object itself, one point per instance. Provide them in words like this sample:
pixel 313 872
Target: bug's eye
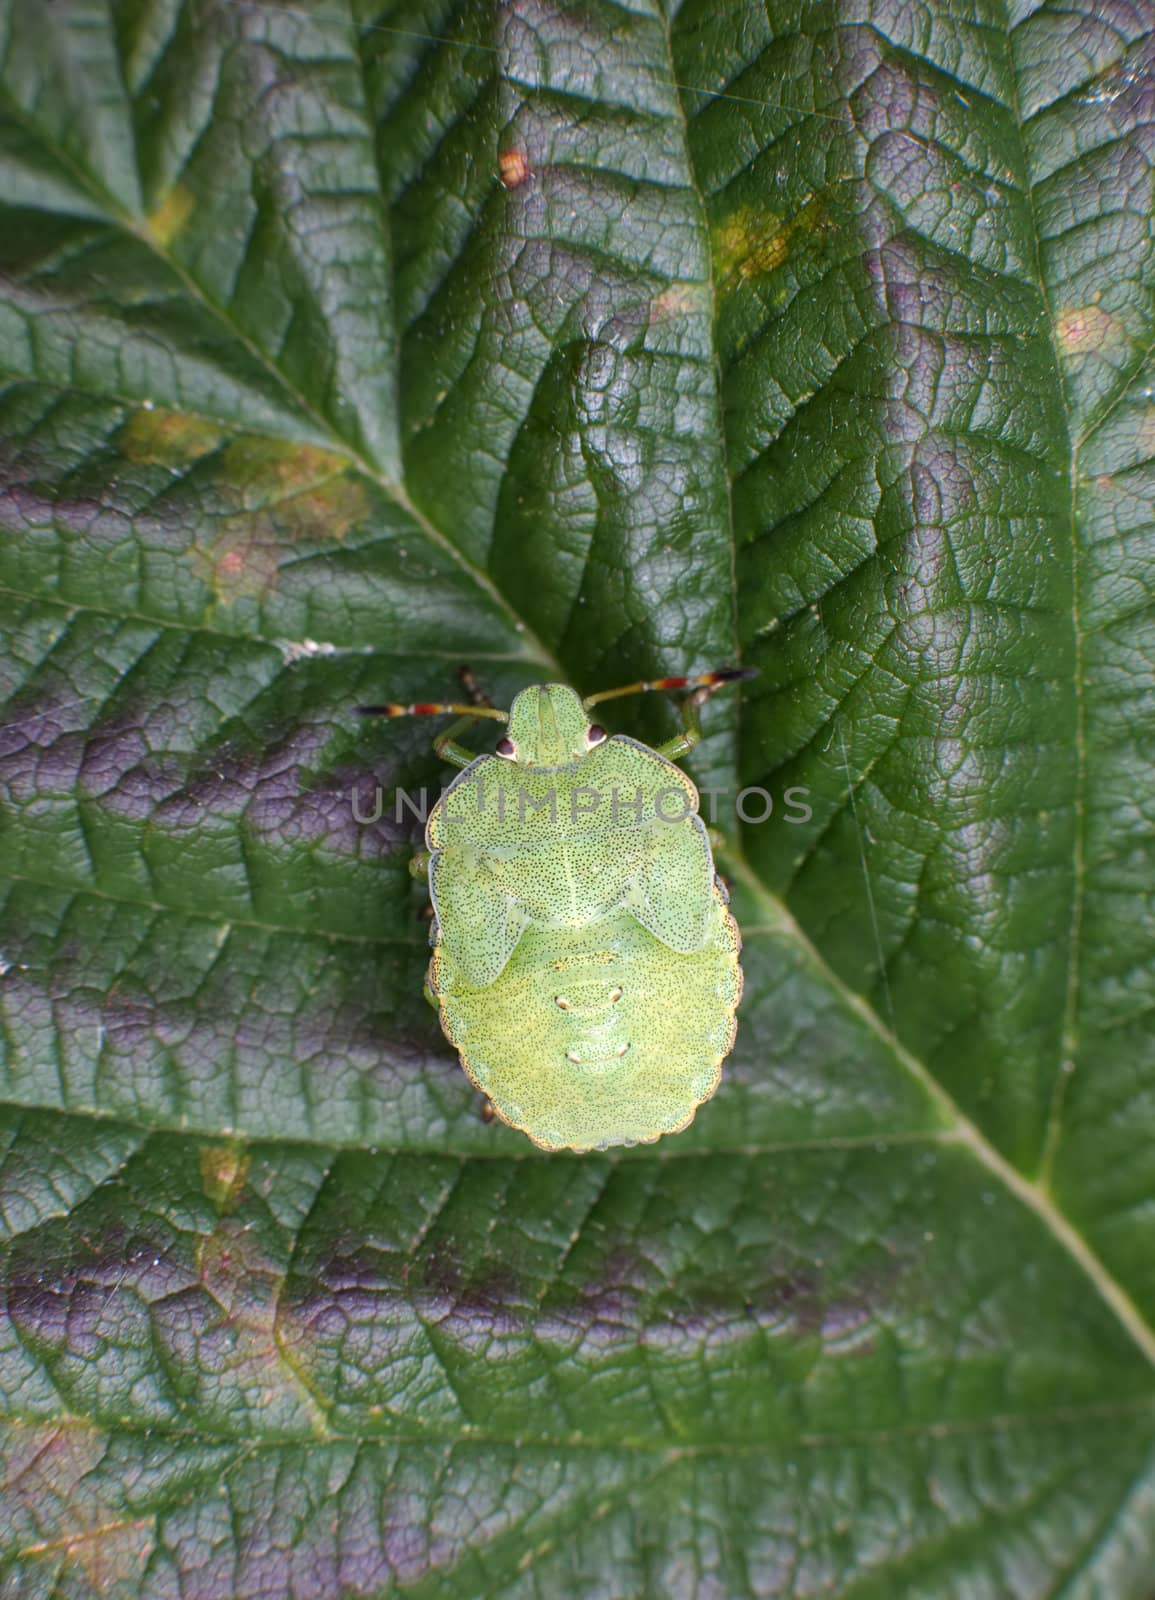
pixel 561 1002
pixel 507 749
pixel 615 996
pixel 595 734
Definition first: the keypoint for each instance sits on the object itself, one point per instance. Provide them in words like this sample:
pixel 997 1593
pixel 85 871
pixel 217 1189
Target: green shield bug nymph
pixel 585 964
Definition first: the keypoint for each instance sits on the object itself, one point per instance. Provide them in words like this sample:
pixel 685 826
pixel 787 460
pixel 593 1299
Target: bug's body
pixel 585 964
pixel 598 1035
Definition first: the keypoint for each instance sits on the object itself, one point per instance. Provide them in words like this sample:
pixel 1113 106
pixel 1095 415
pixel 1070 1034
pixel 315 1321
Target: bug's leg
pixel 446 743
pixel 477 695
pixel 707 681
pixel 702 686
pixel 682 743
pixel 447 746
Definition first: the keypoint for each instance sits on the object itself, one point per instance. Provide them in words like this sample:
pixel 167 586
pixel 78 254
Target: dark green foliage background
pixel 817 335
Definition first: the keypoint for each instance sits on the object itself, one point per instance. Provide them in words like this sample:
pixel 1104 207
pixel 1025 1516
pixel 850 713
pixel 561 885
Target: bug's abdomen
pixel 599 1035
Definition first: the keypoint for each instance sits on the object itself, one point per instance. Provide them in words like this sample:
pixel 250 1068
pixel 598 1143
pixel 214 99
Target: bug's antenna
pixel 702 680
pixel 424 708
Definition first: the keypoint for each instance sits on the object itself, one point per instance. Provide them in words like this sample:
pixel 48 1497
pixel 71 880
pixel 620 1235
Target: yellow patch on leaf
pixel 242 561
pixel 310 493
pixel 326 512
pixel 749 243
pixel 167 220
pixel 277 468
pixel 753 240
pixel 167 438
pixel 224 1168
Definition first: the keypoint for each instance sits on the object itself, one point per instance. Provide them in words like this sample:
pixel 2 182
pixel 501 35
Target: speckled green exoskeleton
pixel 585 964
pixel 598 1035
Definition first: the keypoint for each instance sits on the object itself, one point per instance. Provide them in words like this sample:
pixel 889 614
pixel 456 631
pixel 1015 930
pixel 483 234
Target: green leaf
pixel 343 343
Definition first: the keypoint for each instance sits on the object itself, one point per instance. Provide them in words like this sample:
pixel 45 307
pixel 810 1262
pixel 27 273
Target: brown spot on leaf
pixel 678 300
pixel 1083 329
pixel 307 493
pixel 513 168
pixel 243 559
pixel 169 438
pixel 328 511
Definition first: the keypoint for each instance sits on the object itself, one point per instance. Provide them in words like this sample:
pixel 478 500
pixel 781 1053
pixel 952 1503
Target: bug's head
pixel 548 727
